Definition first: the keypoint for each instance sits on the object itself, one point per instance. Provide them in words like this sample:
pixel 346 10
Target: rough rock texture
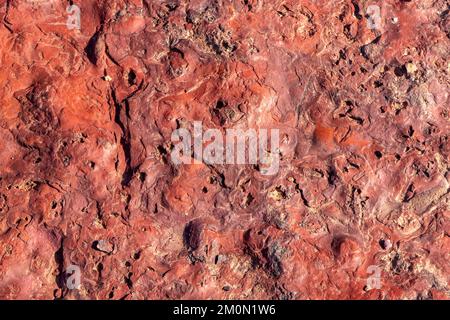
pixel 86 177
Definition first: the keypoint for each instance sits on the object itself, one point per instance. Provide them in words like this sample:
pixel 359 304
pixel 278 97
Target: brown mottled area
pixel 86 177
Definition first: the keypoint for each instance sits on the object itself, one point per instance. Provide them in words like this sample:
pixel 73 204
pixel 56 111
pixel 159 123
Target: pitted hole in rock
pixel 400 71
pixel 192 235
pixel 142 176
pixel 132 78
pixel 378 154
pixel 137 255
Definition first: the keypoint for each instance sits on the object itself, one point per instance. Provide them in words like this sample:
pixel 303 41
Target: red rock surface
pixel 86 177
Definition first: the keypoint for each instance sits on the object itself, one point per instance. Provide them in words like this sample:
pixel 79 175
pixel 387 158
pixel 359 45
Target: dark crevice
pixel 126 135
pixel 357 10
pixel 90 48
pixel 60 278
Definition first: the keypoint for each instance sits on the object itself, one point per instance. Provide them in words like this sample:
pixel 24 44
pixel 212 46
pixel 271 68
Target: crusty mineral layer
pixel 359 208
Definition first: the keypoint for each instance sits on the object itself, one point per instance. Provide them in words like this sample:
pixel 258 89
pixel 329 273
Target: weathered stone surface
pixel 86 177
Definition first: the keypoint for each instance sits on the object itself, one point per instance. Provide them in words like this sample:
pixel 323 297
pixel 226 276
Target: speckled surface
pixel 86 178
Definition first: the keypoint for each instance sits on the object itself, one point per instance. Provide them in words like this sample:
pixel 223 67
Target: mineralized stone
pixel 92 91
